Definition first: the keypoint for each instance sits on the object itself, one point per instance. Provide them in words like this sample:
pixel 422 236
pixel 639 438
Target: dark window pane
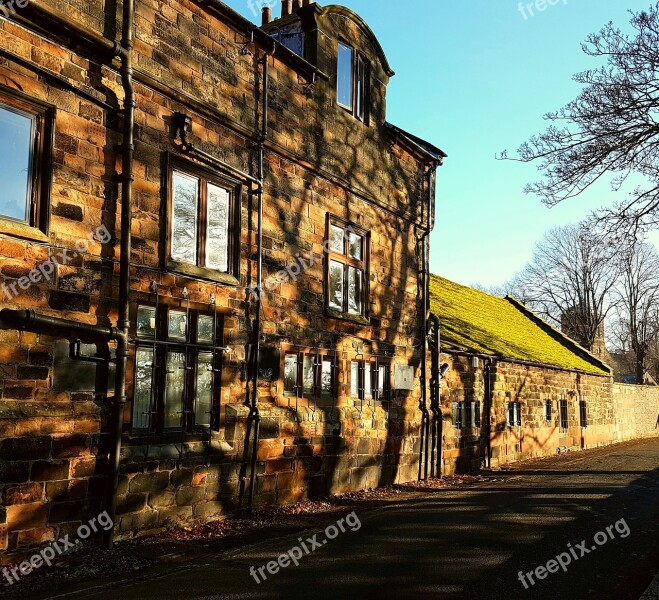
pixel 336 285
pixel 290 373
pixel 184 218
pixel 146 321
pixel 336 239
pixel 143 385
pixel 355 285
pixel 345 79
pixel 217 236
pixel 361 88
pixel 205 326
pixel 174 386
pixel 177 325
pixel 203 401
pixel 17 131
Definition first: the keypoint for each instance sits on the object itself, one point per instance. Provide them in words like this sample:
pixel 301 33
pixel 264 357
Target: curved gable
pixel 366 30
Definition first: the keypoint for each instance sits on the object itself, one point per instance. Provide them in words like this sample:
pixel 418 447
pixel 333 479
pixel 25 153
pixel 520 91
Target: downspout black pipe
pixel 123 323
pixel 255 413
pixel 29 320
pixel 488 411
pixel 435 398
pixel 425 283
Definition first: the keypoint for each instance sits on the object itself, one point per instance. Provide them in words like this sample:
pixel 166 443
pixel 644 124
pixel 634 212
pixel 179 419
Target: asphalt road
pixel 467 542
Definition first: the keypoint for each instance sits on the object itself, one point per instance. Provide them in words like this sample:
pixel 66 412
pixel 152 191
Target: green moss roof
pixel 473 321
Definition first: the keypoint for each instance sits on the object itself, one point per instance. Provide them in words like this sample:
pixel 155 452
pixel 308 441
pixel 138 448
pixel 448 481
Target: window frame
pixel 360 83
pixel 162 345
pixel 375 365
pixel 206 177
pixel 564 414
pixel 457 413
pixel 37 225
pixel 583 411
pixel 516 414
pixel 363 265
pixel 548 411
pixel 319 358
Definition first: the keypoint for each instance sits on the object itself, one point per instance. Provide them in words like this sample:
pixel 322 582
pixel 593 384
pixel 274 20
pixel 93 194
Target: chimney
pixel 286 7
pixel 307 2
pixel 297 4
pixel 266 15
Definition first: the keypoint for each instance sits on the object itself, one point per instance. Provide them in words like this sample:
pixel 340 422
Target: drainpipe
pixel 29 320
pixel 488 410
pixel 423 403
pixel 255 413
pixel 437 373
pixel 125 51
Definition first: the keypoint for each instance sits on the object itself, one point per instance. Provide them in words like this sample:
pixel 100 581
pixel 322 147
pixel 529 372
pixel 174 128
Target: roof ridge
pixel 555 331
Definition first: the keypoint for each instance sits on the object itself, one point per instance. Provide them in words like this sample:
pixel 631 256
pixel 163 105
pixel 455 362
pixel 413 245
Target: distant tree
pixel 570 279
pixel 638 302
pixel 612 127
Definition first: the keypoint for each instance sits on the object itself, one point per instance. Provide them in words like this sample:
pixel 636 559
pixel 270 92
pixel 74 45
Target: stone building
pixel 543 393
pixel 213 255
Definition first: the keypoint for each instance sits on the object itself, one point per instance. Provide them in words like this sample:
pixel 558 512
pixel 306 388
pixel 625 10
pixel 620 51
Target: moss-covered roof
pixel 473 321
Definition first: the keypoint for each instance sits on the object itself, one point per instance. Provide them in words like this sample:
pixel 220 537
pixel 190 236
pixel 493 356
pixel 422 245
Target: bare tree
pixel 638 306
pixel 610 128
pixel 570 279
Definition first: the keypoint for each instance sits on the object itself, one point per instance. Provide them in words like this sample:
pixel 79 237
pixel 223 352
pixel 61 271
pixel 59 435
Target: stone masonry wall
pixel 53 440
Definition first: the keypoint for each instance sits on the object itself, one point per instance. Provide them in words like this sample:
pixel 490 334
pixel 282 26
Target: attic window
pixel 352 82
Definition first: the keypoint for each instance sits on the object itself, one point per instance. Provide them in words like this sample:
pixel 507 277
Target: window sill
pixel 202 273
pixel 333 314
pixel 22 230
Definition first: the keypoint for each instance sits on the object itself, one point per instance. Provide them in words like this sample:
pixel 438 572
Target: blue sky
pixel 476 77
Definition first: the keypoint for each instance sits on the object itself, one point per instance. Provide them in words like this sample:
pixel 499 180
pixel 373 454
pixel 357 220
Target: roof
pixel 416 143
pixel 475 322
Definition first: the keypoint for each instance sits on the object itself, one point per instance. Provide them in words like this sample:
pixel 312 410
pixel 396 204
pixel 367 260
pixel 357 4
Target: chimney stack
pixel 307 2
pixel 266 15
pixel 297 4
pixel 286 7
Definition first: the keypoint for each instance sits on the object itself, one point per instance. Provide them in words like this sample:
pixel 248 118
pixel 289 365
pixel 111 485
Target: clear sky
pixel 475 77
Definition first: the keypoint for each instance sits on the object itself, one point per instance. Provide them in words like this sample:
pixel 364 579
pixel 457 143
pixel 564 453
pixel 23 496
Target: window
pixel 202 221
pixel 547 411
pixel 514 413
pixel 347 272
pixel 177 368
pixel 563 413
pixel 457 414
pixel 26 128
pixel 310 375
pixel 476 409
pixel 352 82
pixel 583 411
pixel 370 380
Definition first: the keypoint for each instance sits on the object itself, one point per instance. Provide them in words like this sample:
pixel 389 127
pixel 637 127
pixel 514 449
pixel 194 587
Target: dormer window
pixel 352 82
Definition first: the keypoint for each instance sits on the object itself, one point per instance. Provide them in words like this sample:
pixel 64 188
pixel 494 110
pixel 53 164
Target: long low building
pixel 515 387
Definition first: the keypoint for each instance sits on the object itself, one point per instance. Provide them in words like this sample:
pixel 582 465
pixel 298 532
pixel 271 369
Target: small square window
pixel 310 375
pixel 146 322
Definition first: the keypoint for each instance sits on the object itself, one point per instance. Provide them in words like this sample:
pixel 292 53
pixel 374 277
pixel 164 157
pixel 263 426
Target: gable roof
pixel 475 322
